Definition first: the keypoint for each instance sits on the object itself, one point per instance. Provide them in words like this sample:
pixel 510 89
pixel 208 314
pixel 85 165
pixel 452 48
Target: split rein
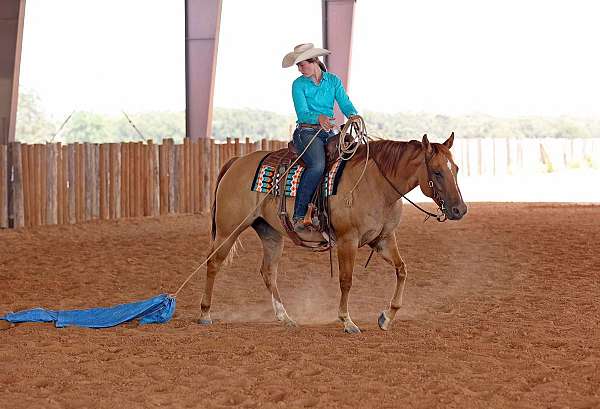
pixel 440 217
pixel 357 124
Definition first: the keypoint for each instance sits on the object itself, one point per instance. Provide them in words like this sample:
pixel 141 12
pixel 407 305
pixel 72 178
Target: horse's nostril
pixel 455 211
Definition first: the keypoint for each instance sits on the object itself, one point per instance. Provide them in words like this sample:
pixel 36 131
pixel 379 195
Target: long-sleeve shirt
pixel 312 100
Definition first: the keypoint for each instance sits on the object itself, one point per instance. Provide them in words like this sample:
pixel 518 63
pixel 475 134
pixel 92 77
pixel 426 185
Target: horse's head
pixel 438 178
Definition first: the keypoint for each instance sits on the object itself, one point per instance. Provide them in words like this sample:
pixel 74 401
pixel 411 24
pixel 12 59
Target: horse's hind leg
pixel 346 257
pixel 272 242
pixel 212 268
pixel 388 248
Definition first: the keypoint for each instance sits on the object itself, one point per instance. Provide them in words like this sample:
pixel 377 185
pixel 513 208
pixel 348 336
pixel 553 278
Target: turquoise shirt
pixel 312 100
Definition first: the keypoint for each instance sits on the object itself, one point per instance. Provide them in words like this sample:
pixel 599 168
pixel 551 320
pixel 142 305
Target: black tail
pixel 224 169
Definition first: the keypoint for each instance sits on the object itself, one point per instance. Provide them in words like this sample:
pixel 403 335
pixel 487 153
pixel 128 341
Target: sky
pixel 502 58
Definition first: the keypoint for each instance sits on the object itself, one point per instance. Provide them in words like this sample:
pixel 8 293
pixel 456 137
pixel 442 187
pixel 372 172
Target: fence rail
pixel 66 184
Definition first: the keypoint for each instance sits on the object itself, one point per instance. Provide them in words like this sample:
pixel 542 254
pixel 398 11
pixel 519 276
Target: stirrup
pixel 309 218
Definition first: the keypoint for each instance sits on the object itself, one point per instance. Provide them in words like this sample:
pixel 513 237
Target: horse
pixel 393 168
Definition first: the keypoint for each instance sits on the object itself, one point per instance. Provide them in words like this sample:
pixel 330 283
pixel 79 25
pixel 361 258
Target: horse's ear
pixel 448 143
pixel 426 145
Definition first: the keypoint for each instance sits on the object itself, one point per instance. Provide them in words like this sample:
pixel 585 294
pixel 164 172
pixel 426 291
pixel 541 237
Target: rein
pixel 436 196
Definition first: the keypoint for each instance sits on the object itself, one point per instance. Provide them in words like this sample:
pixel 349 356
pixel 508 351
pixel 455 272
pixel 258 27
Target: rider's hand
pixel 325 122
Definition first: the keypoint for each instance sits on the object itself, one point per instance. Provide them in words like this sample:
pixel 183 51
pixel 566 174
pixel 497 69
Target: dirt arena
pixel 501 311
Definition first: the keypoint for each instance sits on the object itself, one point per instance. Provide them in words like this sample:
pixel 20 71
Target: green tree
pixel 33 125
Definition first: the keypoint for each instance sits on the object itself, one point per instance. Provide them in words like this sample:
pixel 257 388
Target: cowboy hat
pixel 303 52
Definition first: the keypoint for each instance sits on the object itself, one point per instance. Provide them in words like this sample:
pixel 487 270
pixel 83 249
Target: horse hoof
pixel 290 323
pixel 383 321
pixel 352 330
pixel 203 321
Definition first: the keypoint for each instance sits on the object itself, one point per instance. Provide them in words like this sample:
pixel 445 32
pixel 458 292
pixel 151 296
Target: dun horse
pixel 394 168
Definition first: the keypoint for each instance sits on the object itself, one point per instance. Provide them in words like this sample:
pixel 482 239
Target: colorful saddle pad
pixel 267 175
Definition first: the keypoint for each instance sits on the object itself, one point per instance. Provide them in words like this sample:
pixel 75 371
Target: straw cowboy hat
pixel 303 52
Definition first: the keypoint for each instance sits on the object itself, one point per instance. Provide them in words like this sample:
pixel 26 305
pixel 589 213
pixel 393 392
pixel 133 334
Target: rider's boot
pixel 307 232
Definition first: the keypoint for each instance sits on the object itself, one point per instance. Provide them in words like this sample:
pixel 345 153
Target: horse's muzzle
pixel 456 212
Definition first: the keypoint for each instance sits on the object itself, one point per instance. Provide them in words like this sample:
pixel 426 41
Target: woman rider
pixel 314 93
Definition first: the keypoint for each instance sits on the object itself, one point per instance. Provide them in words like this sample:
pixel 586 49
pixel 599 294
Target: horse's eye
pixel 437 174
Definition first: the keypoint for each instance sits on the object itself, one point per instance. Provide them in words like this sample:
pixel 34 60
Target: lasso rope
pixel 348 149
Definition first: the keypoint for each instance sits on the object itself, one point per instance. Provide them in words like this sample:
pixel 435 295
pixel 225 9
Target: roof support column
pixel 338 16
pixel 202 21
pixel 12 13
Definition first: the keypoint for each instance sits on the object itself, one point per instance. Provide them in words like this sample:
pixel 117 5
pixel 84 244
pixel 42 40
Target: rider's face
pixel 307 68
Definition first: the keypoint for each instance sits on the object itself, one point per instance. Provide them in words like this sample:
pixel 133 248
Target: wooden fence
pixel 65 184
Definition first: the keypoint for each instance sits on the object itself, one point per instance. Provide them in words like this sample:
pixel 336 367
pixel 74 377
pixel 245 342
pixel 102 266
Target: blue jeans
pixel 314 160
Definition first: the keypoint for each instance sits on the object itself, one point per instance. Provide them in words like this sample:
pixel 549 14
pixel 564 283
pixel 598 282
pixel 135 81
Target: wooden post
pixel 185 179
pixel 237 150
pixel 133 182
pixel 115 181
pixel 15 193
pixel 3 188
pixel 95 148
pixel 172 175
pixel 44 183
pixel 103 179
pixel 147 175
pixel 102 182
pixel 223 156
pixel 139 183
pixel 72 192
pixel 155 179
pixel 148 179
pixel 37 189
pixel 124 179
pixel 163 171
pixel 31 180
pixel 135 178
pixel 26 184
pixel 59 190
pixel 178 168
pixel 145 180
pixel 89 186
pixel 64 183
pixel 195 177
pixel 51 188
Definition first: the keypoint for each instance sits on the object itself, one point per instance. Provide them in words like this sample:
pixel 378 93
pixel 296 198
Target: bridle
pixel 437 198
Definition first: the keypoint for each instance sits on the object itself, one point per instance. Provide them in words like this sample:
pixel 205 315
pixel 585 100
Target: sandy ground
pixel 501 311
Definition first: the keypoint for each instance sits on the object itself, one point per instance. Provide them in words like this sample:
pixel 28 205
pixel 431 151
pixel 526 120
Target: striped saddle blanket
pixel 271 168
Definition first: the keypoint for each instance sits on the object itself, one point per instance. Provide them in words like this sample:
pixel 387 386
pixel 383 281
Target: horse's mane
pixel 389 153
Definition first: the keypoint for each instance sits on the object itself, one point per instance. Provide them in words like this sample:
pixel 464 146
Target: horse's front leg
pixel 346 256
pixel 388 248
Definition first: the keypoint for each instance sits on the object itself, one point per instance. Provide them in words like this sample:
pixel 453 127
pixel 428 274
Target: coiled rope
pixel 356 129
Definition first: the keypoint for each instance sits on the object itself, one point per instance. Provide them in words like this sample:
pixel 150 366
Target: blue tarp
pixel 154 310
